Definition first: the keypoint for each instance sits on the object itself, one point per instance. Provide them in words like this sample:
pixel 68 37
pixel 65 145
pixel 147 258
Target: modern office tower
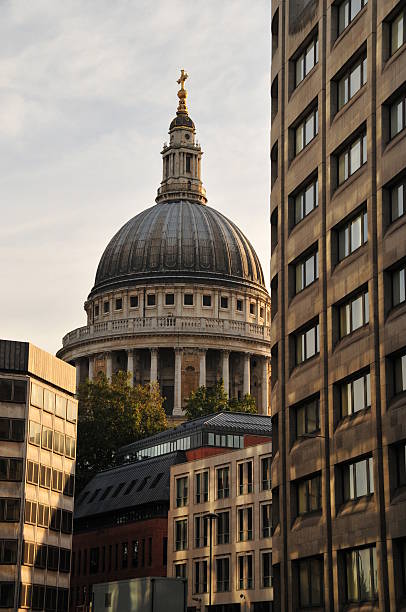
pixel 38 415
pixel 338 333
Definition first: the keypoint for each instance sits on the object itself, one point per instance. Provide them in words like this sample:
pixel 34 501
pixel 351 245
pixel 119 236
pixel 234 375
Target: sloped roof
pixel 128 486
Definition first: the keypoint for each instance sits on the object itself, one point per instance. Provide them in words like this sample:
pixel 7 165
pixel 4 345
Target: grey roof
pixel 150 484
pixel 182 120
pixel 227 422
pixel 178 240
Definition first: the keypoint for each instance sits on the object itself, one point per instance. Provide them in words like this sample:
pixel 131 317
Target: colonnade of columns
pixel 225 371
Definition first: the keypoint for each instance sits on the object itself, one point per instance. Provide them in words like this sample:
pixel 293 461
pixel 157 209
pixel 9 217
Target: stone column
pixel 109 365
pixel 225 358
pixel 247 374
pixel 153 377
pixel 202 368
pixel 264 386
pixel 177 404
pixel 91 367
pixel 130 365
pixel 77 366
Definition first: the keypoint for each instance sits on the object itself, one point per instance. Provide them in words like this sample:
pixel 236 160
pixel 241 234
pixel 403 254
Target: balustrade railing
pixel 168 323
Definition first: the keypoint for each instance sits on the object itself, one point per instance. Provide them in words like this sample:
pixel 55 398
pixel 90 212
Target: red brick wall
pixel 205 451
pixel 156 528
pixel 254 440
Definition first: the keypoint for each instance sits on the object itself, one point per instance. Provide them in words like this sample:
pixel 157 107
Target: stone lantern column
pixel 109 365
pixel 247 374
pixel 91 367
pixel 177 408
pixel 130 365
pixel 154 365
pixel 202 368
pixel 225 355
pixel 264 385
pixel 77 367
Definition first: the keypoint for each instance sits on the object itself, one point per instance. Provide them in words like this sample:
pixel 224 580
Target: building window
pixel 266 473
pixel 8 552
pixel 96 310
pixel 182 491
pixel 352 235
pixel 266 520
pixel 106 307
pixel 397 116
pixel 150 299
pixel 223 527
pixel 355 395
pixel 188 299
pixel 180 570
pixel 245 524
pixel 7 594
pixel 169 299
pixel 118 304
pixel 94 560
pixel 308 492
pixel 223 575
pixel 201 531
pixel 252 308
pixel 206 300
pixel 398 31
pixel 400 566
pixel 358 479
pixel 188 163
pixel 9 510
pixel 133 301
pixel 306 61
pixel 354 314
pixel 224 301
pixel 352 158
pixel 240 306
pixel 47 437
pixel 310 582
pixel 202 487
pixel 399 461
pixel 245 572
pixel 181 534
pixel 12 430
pixel 59 443
pixel 307 344
pixel 306 200
pixel 11 469
pixel 307 418
pixel 352 81
pixel 400 373
pixel 200 577
pixel 223 482
pixel 16 391
pixel 306 271
pixel 307 129
pixel 361 574
pixel 347 11
pixel 266 569
pixel 245 478
pixel 397 201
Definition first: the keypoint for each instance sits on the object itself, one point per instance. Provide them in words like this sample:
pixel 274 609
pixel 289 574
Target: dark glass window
pixel 266 463
pixel 306 271
pixel 223 482
pixel 245 478
pixel 181 534
pixel 352 81
pixel 347 11
pixel 188 299
pixel 306 200
pixel 307 417
pixel 201 531
pixel 206 300
pixel 310 582
pixel 398 278
pixel 307 60
pixel 55 519
pixel 13 390
pixel 9 510
pixel 169 299
pixel 399 455
pixel 32 472
pixel 266 520
pixel 358 479
pixel 119 304
pixel 201 487
pixel 354 313
pixel 8 552
pixel 223 527
pixel 361 574
pixel 400 373
pixel 180 570
pixel 245 572
pixel 307 129
pixel 47 438
pixel 133 301
pixel 151 299
pixel 106 307
pixel 398 31
pixel 352 235
pixel 124 555
pixel 45 474
pixel 266 567
pixel 240 306
pixel 182 491
pixel 224 301
pixel 352 158
pixel 7 594
pixel 398 200
pixel 307 344
pixel 355 395
pixel 11 469
pixel 308 493
pixel 245 524
pixel 223 575
pixel 200 577
pixel 397 116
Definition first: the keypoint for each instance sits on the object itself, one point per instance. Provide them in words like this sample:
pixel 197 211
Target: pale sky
pixel 87 92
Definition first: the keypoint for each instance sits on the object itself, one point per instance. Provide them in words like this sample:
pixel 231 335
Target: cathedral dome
pixel 177 241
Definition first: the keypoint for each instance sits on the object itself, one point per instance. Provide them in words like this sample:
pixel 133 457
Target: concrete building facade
pixel 224 498
pixel 179 295
pixel 338 333
pixel 38 414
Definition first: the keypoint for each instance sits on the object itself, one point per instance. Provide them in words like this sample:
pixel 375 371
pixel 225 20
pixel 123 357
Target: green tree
pixel 209 400
pixel 113 415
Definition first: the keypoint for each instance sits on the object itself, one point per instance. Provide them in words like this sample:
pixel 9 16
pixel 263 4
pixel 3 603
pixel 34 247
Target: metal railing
pixel 168 324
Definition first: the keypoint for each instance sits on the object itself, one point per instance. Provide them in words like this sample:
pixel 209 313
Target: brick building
pixel 38 415
pixel 338 333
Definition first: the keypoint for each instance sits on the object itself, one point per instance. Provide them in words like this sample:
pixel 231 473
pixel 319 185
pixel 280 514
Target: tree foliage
pixel 113 415
pixel 209 400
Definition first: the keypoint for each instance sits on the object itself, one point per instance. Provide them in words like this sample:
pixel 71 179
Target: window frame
pixel 302 336
pixel 308 483
pixel 347 151
pixel 345 235
pixel 373 565
pixel 309 574
pixel 399 14
pixel 362 63
pixel 313 115
pixel 340 29
pixel 299 200
pixel 352 478
pixel 313 42
pixel 400 101
pixel 302 263
pixel 303 406
pixel 346 314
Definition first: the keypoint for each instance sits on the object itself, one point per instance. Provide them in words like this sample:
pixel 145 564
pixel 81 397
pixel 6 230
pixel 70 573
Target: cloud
pixel 87 91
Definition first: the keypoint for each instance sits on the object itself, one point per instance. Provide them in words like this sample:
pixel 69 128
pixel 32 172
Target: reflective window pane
pixel 355 157
pixel 356 234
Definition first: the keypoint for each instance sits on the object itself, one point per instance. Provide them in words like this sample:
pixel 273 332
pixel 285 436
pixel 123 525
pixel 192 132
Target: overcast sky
pixel 87 92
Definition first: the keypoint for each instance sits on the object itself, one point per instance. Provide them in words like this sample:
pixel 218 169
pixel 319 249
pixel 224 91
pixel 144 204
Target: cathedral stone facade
pixel 179 295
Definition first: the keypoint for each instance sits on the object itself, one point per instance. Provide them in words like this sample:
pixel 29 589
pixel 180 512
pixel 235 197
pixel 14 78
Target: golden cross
pixel 183 76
